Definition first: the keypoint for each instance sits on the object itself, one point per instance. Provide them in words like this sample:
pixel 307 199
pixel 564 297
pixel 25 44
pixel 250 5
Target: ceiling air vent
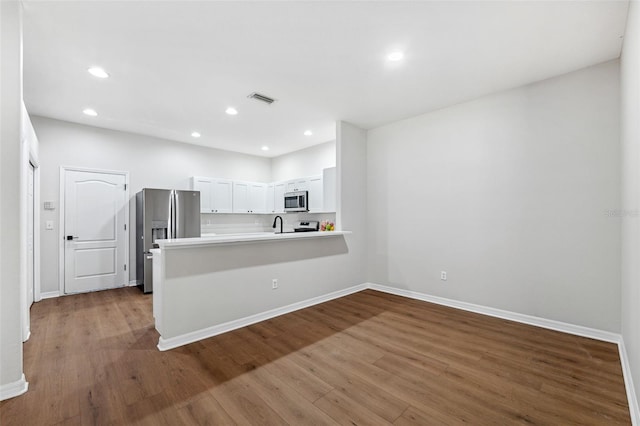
pixel 261 98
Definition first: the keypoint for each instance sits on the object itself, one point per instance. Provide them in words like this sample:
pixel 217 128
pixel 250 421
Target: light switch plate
pixel 49 225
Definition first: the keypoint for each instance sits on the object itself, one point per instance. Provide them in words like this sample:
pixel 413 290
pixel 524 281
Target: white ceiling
pixel 176 65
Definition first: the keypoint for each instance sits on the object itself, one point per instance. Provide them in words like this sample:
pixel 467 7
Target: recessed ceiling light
pixel 395 56
pixel 308 133
pixel 231 111
pixel 90 112
pixel 98 72
pixel 195 134
pixel 265 148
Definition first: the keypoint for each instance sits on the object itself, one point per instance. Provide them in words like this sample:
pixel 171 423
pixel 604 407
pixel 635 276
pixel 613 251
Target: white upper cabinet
pixel 222 196
pixel 316 191
pixel 249 197
pixel 227 196
pixel 271 198
pixel 300 184
pixel 275 197
pixel 203 185
pixel 241 197
pixel 258 197
pixel 279 188
pixel 215 194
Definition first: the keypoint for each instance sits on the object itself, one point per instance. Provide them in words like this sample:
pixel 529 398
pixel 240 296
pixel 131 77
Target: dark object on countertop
pixel 307 226
pixel 274 223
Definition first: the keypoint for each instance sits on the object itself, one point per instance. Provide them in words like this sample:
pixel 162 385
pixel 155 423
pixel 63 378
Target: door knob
pixel 71 237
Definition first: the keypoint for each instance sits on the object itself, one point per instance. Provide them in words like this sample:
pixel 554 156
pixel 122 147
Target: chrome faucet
pixel 274 223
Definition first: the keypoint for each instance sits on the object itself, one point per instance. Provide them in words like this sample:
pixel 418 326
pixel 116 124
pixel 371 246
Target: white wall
pixel 305 162
pixel 12 380
pixel 508 194
pixel 630 89
pixel 351 195
pixel 29 154
pixel 28 134
pixel 151 162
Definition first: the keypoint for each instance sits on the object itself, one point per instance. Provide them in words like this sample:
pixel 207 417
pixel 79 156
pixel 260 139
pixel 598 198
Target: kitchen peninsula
pixel 209 285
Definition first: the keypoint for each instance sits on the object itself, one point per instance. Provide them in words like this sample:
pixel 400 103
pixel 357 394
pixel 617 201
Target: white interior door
pixel 30 234
pixel 95 231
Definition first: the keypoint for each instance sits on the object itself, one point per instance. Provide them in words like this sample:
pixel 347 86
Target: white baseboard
pixel 133 283
pixel 14 389
pixel 194 336
pixel 632 398
pixel 578 330
pixel 49 295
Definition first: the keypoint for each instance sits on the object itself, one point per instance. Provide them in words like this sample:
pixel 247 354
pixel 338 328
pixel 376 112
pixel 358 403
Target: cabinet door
pixel 204 185
pixel 222 196
pixel 257 197
pixel 279 188
pixel 316 198
pixel 271 198
pixel 241 197
pixel 300 184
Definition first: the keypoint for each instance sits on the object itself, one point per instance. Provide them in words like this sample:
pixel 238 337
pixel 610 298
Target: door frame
pixel 29 160
pixel 37 285
pixel 61 246
pixel 36 229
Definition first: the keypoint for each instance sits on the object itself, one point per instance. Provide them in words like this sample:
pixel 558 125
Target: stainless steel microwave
pixel 296 201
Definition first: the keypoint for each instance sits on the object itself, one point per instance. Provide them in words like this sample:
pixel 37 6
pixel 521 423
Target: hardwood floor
pixel 365 359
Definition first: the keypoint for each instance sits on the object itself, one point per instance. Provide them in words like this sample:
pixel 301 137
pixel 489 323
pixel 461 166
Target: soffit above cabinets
pixel 176 66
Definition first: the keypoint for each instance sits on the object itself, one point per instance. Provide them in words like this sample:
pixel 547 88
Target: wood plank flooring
pixel 365 359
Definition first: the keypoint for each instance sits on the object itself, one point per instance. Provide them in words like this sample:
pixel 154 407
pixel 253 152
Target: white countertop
pixel 245 238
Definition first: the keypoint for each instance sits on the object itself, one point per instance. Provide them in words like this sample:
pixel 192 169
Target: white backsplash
pixel 249 223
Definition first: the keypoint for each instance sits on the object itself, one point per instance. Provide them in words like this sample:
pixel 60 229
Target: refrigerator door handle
pixel 177 205
pixel 172 209
pixel 174 219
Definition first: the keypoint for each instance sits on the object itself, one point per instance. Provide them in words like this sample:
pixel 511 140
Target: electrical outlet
pixel 443 275
pixel 274 283
pixel 49 225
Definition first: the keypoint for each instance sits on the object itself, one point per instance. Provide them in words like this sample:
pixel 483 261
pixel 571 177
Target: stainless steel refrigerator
pixel 162 214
